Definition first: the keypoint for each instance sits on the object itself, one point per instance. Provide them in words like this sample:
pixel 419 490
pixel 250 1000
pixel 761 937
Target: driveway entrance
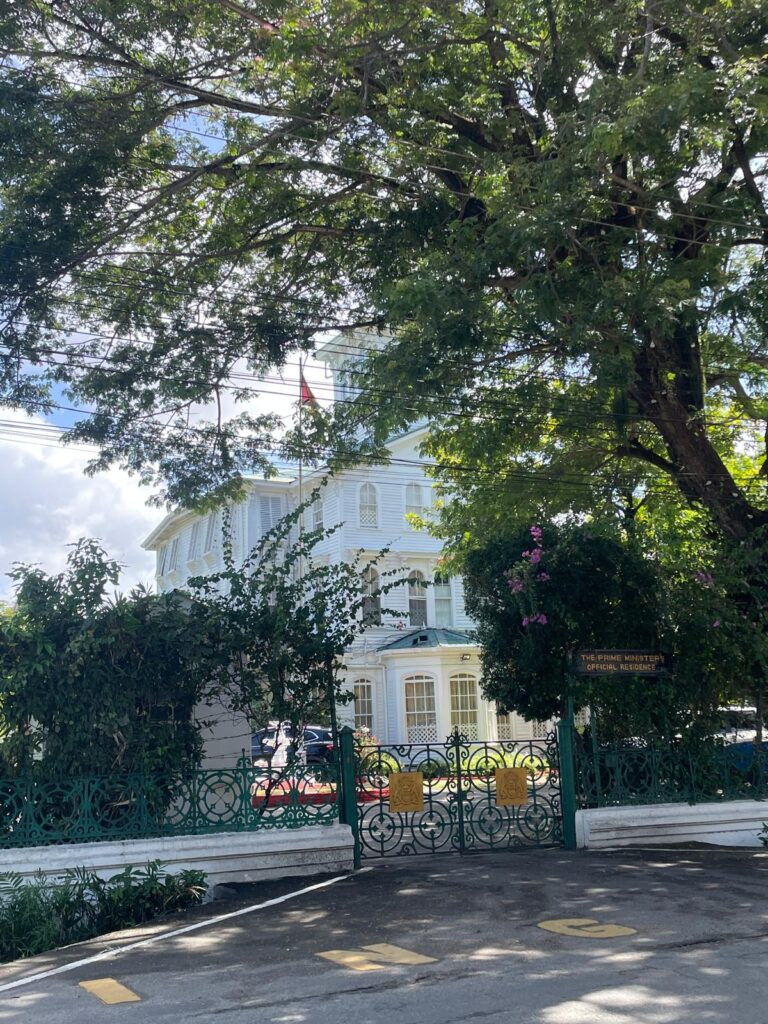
pixel 458 797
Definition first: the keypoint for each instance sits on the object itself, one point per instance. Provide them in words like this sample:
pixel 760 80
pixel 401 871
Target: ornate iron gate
pixel 460 811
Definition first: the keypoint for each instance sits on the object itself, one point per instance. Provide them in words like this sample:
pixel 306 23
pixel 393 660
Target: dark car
pixel 316 745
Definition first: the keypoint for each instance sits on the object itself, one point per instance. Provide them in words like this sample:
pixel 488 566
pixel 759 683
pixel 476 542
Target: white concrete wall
pixel 731 823
pixel 224 857
pixel 225 735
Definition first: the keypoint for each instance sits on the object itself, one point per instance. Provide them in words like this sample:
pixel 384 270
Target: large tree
pixel 559 209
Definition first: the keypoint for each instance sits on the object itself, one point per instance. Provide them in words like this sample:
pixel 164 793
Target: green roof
pixel 428 637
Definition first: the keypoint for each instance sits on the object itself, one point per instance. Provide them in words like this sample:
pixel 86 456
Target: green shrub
pixel 40 914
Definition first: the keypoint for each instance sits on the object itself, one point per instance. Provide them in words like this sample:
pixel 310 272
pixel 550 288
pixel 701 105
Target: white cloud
pixel 47 503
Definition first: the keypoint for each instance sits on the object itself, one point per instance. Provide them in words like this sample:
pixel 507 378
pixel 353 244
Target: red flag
pixel 307 398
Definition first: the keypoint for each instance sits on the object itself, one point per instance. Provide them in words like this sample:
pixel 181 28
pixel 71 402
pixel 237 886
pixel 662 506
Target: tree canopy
pixel 543 594
pixel 93 684
pixel 559 209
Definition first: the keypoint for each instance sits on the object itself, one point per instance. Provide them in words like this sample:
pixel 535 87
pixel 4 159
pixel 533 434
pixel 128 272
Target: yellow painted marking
pixel 110 991
pixel 587 928
pixel 373 957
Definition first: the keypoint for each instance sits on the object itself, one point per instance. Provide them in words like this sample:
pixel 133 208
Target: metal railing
pixel 37 812
pixel 675 773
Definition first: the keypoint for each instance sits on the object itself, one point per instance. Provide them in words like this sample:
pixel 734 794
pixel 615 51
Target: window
pixel 270 511
pixel 443 601
pixel 417 600
pixel 414 502
pixel 369 506
pixel 317 515
pixel 420 715
pixel 505 727
pixel 210 533
pixel 173 557
pixel 464 704
pixel 363 691
pixel 194 541
pixel 162 560
pixel 371 598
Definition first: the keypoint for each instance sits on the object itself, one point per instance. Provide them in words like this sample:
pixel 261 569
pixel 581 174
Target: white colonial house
pixel 415 676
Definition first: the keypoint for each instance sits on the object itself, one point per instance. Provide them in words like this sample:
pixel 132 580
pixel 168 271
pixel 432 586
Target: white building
pixel 415 676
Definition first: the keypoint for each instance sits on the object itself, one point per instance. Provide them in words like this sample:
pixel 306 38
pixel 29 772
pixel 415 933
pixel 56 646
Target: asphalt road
pixel 691 946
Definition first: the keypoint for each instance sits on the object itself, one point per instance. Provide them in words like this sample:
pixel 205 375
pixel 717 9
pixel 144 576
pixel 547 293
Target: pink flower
pixel 526 554
pixel 716 623
pixel 535 556
pixel 543 576
pixel 536 533
pixel 516 586
pixel 526 620
pixel 542 619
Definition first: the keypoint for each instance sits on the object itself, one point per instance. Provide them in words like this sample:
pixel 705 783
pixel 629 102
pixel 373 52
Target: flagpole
pixel 301 460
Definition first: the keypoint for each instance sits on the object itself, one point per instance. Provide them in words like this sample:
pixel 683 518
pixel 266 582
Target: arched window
pixel 420 714
pixel 414 501
pixel 363 691
pixel 443 600
pixel 369 506
pixel 417 599
pixel 371 597
pixel 464 704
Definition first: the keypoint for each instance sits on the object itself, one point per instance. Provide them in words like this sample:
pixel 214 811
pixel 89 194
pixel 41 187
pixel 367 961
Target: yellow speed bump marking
pixel 586 928
pixel 110 991
pixel 374 957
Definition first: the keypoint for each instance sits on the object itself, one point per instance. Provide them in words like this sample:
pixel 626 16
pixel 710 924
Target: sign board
pixel 620 663
pixel 406 791
pixel 511 787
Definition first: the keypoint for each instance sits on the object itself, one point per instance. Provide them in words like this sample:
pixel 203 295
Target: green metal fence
pixel 460 813
pixel 37 812
pixel 625 775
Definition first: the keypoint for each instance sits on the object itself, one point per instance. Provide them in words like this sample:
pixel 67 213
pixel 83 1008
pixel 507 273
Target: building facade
pixel 415 672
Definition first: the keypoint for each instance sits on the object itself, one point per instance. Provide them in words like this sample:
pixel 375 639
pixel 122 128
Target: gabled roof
pixel 429 637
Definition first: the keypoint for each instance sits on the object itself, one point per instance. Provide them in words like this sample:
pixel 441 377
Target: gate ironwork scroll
pixel 459 811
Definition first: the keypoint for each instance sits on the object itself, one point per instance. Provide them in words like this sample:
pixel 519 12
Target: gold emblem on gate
pixel 511 787
pixel 406 791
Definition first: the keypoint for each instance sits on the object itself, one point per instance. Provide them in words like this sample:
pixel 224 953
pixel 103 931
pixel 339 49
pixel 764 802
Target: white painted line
pixel 108 953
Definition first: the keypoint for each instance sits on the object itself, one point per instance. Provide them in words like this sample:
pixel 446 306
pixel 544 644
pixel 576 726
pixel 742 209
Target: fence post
pixel 348 787
pixel 567 777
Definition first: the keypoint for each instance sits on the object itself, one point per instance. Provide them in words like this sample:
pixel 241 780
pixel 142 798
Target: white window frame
pixel 211 527
pixel 414 498
pixel 420 707
pixel 162 559
pixel 465 704
pixel 371 601
pixel 317 514
pixel 364 507
pixel 173 557
pixel 440 585
pixel 362 688
pixel 193 549
pixel 417 600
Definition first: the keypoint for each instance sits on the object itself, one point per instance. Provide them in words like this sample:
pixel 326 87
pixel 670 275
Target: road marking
pixel 586 928
pixel 110 991
pixel 108 953
pixel 373 957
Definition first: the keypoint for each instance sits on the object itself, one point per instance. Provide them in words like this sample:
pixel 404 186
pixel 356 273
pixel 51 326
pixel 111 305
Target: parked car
pixel 316 746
